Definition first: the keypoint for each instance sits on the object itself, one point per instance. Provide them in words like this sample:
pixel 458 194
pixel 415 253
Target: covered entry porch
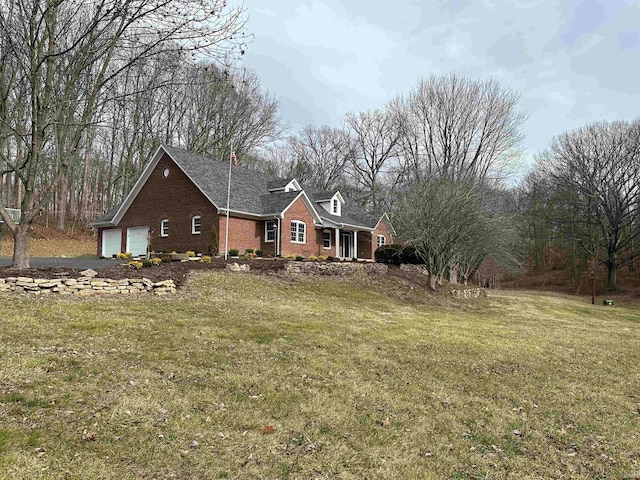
pixel 347 243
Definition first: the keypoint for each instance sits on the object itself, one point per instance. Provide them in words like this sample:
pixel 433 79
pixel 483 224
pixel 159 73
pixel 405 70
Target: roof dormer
pixel 333 205
pixel 290 185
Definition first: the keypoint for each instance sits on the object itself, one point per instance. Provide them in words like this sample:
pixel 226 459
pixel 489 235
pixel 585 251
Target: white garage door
pixel 137 240
pixel 111 240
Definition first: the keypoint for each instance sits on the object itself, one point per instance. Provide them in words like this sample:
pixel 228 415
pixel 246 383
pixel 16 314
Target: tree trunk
pixel 21 247
pixel 433 282
pixel 453 273
pixel 612 274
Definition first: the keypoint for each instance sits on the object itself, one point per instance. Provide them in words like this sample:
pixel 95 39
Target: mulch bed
pixel 176 271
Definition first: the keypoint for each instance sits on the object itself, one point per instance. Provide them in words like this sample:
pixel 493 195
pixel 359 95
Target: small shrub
pixel 299 258
pixel 249 250
pixel 260 253
pixel 323 258
pixel 190 253
pixel 354 259
pixel 205 259
pixel 166 260
pixel 233 252
pixel 173 252
pixel 291 256
pixel 249 256
pixel 147 263
pixel 124 256
pixel 156 260
pixel 135 265
pixel 313 258
pixel 396 254
pixel 331 259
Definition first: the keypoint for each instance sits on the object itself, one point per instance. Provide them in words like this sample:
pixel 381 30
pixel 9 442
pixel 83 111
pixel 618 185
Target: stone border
pixel 335 268
pixel 85 286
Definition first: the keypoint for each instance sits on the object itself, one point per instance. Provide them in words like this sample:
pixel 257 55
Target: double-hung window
pixel 298 232
pixel 164 228
pixel 326 240
pixel 381 240
pixel 196 226
pixel 270 231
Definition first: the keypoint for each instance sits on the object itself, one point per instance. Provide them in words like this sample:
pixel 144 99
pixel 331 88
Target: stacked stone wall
pixel 85 286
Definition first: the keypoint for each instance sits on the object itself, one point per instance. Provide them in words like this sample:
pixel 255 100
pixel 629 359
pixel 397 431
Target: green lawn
pixel 258 377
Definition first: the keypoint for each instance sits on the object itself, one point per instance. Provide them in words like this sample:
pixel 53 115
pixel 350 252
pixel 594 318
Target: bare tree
pixel 460 129
pixel 375 136
pixel 598 169
pixel 227 110
pixel 451 231
pixel 321 155
pixel 63 54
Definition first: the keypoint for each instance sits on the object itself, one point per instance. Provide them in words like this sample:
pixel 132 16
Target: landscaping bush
pixel 190 253
pixel 248 250
pixel 156 260
pixel 396 254
pixel 165 259
pixel 135 265
pixel 249 256
pixel 291 256
pixel 313 258
pixel 147 263
pixel 323 258
pixel 124 256
pixel 260 253
pixel 205 259
pixel 299 258
pixel 331 259
pixel 233 252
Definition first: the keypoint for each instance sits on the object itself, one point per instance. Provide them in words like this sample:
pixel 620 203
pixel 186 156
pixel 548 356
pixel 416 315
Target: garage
pixel 111 242
pixel 137 240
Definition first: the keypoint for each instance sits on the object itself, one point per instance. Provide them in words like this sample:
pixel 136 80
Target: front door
pixel 346 244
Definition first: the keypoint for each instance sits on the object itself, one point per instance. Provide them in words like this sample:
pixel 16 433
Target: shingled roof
pixel 251 191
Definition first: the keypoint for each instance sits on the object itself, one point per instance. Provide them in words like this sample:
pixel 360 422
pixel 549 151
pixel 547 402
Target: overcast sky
pixel 573 62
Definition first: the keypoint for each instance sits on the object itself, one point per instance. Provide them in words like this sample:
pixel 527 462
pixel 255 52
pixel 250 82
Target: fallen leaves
pixel 267 429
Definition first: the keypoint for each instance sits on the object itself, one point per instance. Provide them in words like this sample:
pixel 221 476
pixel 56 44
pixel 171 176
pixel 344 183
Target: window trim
pixel 266 231
pixel 384 240
pixel 193 225
pixel 164 227
pixel 299 223
pixel 326 232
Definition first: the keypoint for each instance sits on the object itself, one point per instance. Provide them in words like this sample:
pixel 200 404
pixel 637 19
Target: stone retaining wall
pixel 335 268
pixel 469 292
pixel 86 286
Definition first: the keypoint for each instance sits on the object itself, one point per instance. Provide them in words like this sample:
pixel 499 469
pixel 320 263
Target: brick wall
pixel 381 229
pixel 299 211
pixel 176 199
pixel 243 233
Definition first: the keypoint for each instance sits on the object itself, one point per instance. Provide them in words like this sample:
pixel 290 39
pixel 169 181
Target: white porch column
pixel 355 243
pixel 337 242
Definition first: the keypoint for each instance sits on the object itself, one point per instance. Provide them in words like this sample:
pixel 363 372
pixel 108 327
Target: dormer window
pixel 334 206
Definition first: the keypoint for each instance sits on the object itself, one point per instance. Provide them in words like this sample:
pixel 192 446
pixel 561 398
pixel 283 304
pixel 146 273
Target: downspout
pixel 278 239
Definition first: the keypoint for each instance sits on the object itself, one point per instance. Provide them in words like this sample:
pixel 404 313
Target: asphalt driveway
pixel 70 262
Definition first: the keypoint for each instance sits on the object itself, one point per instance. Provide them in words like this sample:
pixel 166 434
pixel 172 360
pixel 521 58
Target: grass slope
pixel 261 377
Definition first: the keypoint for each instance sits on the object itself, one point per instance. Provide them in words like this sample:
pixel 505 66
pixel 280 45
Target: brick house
pixel 181 198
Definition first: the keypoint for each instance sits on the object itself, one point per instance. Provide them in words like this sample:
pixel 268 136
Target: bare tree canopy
pixel 321 156
pixel 450 229
pixel 597 168
pixel 375 136
pixel 225 110
pixel 460 129
pixel 61 57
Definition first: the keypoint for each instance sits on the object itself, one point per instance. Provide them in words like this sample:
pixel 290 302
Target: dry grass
pixel 260 377
pixel 48 242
